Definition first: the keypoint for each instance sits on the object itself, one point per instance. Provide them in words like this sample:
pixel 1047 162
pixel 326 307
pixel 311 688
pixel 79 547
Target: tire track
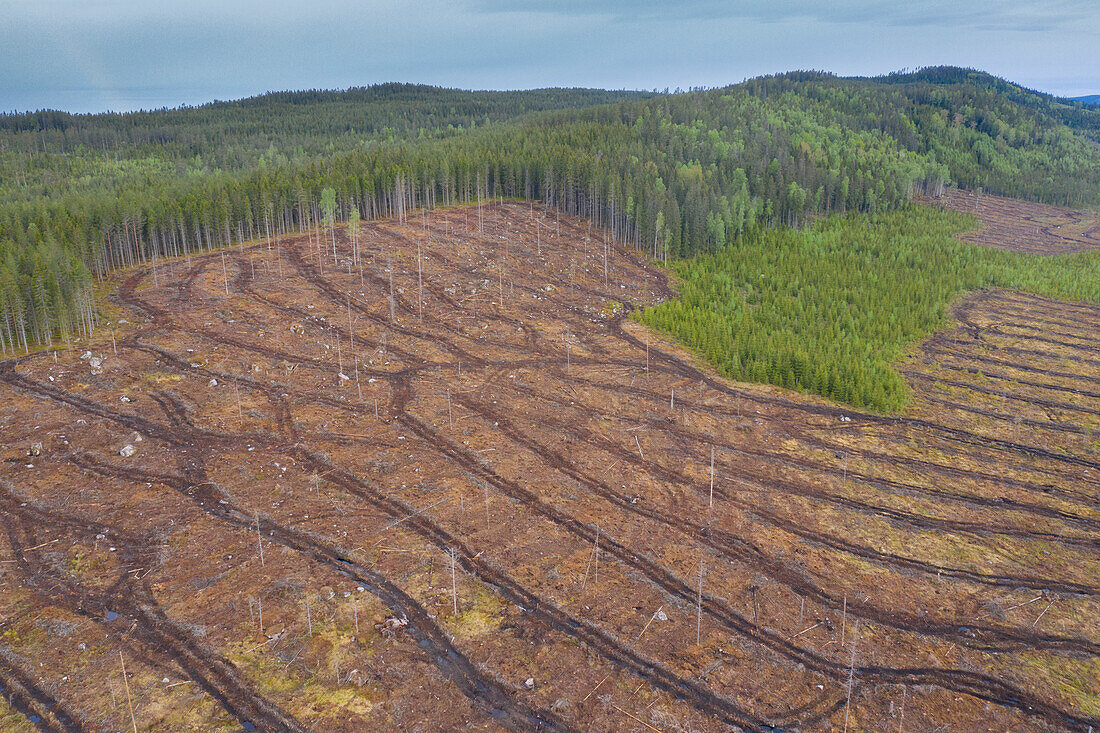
pixel 731 547
pixel 40 708
pixel 961 681
pixel 193 440
pixel 959 435
pixel 673 429
pixel 484 692
pixel 1016 380
pixel 938 346
pixel 1027 399
pixel 217 676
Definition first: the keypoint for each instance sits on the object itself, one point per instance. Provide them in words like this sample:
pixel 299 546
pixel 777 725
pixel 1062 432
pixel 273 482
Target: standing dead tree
pixel 699 606
pixel 328 206
pixel 595 557
pixel 711 477
pixel 389 269
pixel 851 674
pixel 454 586
pixel 126 682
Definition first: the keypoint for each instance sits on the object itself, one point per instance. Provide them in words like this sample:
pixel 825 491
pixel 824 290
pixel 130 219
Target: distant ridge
pixel 1088 99
pixel 675 173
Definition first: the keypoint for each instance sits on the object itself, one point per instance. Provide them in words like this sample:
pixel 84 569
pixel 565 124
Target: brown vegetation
pixel 1023 226
pixel 503 440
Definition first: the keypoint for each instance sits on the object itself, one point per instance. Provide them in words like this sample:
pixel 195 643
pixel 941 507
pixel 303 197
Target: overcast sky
pixel 94 55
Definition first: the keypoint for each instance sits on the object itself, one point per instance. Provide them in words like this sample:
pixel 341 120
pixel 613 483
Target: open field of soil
pixel 1023 226
pixel 453 487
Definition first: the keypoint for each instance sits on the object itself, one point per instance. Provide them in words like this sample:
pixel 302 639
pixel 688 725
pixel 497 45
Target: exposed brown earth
pixel 1023 226
pixel 504 516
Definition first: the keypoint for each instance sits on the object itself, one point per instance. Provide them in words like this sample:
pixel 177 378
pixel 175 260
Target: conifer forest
pixel 768 407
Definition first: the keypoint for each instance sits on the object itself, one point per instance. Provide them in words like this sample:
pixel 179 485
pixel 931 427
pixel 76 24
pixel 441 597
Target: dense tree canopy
pixel 830 308
pixel 672 174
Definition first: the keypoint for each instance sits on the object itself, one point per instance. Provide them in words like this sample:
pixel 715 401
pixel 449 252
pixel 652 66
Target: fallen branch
pixel 647 623
pixel 1018 605
pixel 800 633
pixel 636 720
pixel 596 687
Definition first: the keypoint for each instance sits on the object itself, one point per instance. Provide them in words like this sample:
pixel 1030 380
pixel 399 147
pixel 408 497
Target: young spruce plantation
pixel 781 203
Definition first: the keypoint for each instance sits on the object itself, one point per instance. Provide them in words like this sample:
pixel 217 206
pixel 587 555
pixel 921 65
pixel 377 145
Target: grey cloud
pixel 90 55
pixel 1021 15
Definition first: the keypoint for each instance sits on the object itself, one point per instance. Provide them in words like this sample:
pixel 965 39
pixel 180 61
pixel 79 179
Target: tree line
pixel 673 175
pixel 829 309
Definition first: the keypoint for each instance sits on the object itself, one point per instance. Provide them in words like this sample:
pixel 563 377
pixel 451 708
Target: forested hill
pixel 988 92
pixel 672 174
pixel 236 133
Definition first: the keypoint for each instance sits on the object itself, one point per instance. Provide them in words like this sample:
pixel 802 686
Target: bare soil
pixel 1023 226
pixel 503 515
